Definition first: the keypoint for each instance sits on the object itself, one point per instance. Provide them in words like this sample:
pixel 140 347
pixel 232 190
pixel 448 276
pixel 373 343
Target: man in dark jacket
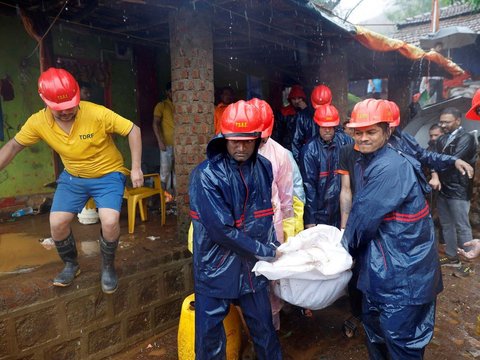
pixel 319 167
pixel 391 231
pixel 230 202
pixel 456 189
pixel 284 125
pixel 305 128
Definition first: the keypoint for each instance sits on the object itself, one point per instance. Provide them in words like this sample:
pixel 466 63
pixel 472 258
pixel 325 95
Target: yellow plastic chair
pixel 135 196
pixel 90 204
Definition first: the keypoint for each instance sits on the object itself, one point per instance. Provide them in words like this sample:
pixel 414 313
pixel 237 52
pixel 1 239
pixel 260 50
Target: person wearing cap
pixel 319 167
pixel 81 133
pixel 164 130
pixel 305 128
pixel 453 203
pixel 390 230
pixel 230 206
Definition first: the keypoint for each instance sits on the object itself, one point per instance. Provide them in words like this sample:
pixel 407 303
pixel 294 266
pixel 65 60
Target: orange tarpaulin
pixel 378 42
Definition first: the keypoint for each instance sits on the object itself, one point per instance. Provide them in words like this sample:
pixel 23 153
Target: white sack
pixel 312 294
pixel 313 254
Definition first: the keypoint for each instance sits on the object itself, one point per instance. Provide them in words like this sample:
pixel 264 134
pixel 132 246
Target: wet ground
pixel 319 337
pixel 21 250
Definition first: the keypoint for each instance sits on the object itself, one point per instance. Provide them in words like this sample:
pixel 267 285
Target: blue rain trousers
pixel 397 332
pixel 210 339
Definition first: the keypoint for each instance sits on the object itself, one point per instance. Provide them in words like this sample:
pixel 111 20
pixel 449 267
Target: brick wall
pixel 191 49
pixel 41 322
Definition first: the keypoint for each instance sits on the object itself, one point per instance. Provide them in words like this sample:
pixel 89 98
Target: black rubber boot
pixel 109 276
pixel 68 253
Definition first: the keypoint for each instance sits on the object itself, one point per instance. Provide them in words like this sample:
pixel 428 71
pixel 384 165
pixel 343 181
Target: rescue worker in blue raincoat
pixel 284 125
pixel 230 205
pixel 305 128
pixel 319 167
pixel 391 231
pixel 407 144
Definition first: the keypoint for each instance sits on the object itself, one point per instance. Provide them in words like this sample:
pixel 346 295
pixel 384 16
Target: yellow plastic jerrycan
pixel 186 331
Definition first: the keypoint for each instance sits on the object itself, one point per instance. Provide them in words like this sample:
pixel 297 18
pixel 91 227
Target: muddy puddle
pixel 23 252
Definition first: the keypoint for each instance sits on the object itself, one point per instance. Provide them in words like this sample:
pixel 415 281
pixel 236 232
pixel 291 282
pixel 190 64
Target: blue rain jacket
pixel 407 144
pixel 391 230
pixel 319 167
pixel 284 126
pixel 232 214
pixel 305 129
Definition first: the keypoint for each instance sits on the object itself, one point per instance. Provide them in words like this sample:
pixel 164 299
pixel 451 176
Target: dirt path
pixel 320 337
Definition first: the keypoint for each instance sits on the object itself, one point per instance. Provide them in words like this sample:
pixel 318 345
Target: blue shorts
pixel 73 192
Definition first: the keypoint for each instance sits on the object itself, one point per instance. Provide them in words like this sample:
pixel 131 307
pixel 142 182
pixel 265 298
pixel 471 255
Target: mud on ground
pixel 321 337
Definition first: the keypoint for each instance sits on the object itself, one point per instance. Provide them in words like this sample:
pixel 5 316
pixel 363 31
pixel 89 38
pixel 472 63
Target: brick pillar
pixel 191 49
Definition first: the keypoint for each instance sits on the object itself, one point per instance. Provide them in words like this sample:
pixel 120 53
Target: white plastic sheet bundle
pixel 314 269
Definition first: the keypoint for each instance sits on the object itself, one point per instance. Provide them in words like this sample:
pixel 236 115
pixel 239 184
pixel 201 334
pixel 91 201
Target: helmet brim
pixel 328 123
pixel 394 123
pixel 63 105
pixel 365 124
pixel 242 136
pixel 472 113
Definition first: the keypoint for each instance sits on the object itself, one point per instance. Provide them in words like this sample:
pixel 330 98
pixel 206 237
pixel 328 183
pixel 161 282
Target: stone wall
pixel 40 322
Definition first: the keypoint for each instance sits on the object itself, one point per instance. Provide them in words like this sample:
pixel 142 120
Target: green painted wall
pixel 33 167
pixel 71 44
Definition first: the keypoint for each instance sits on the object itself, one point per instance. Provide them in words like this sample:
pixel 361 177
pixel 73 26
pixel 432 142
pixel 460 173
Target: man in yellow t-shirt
pixel 81 133
pixel 164 130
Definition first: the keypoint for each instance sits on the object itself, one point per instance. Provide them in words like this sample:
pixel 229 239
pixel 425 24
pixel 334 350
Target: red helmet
pixel 266 114
pixel 241 121
pixel 321 95
pixel 395 114
pixel 58 89
pixel 369 112
pixel 474 113
pixel 326 116
pixel 297 92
